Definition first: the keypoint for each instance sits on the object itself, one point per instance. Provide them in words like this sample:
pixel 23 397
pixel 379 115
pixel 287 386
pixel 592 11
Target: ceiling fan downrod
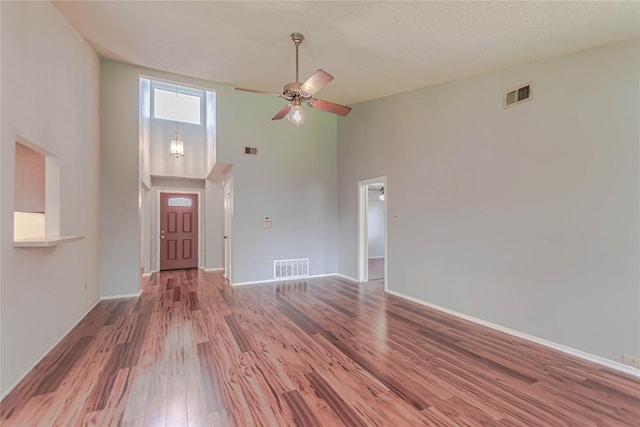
pixel 297 39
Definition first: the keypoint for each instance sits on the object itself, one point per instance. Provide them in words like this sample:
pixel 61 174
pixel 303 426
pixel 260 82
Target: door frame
pixel 228 220
pixel 200 229
pixel 363 238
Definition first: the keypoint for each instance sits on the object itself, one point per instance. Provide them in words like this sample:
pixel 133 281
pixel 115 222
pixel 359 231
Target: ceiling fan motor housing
pixel 292 90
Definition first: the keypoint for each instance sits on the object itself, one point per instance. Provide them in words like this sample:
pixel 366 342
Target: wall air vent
pixel 517 96
pixel 290 268
pixel 250 150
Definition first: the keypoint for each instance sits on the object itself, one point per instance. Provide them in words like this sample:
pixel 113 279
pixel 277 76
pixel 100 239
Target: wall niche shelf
pixel 44 242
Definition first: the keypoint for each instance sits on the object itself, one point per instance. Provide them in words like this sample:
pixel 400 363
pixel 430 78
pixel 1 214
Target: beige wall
pixel 50 95
pixel 29 180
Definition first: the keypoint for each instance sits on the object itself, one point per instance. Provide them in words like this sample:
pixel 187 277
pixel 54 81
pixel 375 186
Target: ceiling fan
pixel 297 93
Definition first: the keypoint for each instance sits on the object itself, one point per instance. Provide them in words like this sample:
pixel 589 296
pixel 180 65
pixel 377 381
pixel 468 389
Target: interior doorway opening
pixel 372 226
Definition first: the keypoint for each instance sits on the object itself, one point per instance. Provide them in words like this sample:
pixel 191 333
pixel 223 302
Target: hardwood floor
pixel 194 351
pixel 376 268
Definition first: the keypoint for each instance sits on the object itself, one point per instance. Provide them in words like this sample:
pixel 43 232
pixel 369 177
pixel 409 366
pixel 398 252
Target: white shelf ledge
pixel 44 242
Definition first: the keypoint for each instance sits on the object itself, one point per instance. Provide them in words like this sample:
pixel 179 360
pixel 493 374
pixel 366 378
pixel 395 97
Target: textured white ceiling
pixel 373 49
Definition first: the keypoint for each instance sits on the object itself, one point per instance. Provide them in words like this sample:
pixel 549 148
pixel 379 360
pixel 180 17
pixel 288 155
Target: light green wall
pixel 526 217
pixel 292 179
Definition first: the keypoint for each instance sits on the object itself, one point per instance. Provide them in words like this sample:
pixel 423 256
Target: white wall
pixel 50 96
pixel 526 217
pixel 375 224
pixel 29 180
pixel 293 180
pixel 194 162
pixel 214 251
pixel 146 233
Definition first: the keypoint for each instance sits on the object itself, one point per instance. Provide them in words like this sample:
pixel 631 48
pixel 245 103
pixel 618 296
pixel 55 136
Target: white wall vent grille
pixel 517 96
pixel 291 268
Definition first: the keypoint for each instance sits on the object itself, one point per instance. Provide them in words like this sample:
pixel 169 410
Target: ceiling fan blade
pixel 283 112
pixel 329 107
pixel 317 81
pixel 257 91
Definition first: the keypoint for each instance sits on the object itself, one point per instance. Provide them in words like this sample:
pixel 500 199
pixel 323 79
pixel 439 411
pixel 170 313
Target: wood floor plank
pixel 210 378
pixel 302 414
pixel 238 334
pixel 193 351
pixel 329 395
pixel 176 404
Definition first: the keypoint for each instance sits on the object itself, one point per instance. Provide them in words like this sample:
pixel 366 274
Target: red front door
pixel 178 231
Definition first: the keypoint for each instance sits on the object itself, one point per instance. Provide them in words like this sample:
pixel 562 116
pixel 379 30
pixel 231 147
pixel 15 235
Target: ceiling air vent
pixel 518 95
pixel 250 150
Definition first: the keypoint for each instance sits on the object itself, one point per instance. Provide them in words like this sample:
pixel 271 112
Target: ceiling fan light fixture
pixel 296 114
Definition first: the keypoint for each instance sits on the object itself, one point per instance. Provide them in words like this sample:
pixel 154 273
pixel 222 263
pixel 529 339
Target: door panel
pixel 172 221
pixel 178 231
pixel 186 222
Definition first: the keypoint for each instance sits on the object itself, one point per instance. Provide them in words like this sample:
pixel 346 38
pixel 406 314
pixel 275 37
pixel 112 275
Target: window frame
pixel 183 90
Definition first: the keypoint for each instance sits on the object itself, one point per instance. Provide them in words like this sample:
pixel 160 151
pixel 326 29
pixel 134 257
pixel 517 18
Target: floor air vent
pixel 291 268
pixel 517 96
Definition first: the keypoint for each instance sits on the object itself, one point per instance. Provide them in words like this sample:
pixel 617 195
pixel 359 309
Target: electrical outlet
pixel 85 286
pixel 631 361
pixel 422 280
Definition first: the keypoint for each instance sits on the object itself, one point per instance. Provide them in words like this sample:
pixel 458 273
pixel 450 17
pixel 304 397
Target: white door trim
pixel 228 219
pixel 363 247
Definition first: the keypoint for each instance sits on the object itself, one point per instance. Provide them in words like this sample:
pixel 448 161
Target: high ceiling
pixel 373 49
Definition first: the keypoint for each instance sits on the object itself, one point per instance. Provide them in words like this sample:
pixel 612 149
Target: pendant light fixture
pixel 382 194
pixel 176 148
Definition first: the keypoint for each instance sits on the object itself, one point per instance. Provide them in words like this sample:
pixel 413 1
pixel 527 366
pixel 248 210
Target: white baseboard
pixel 108 297
pixel 618 366
pixel 64 334
pixel 376 257
pixel 258 282
pixel 349 278
pixel 322 275
pixel 214 269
